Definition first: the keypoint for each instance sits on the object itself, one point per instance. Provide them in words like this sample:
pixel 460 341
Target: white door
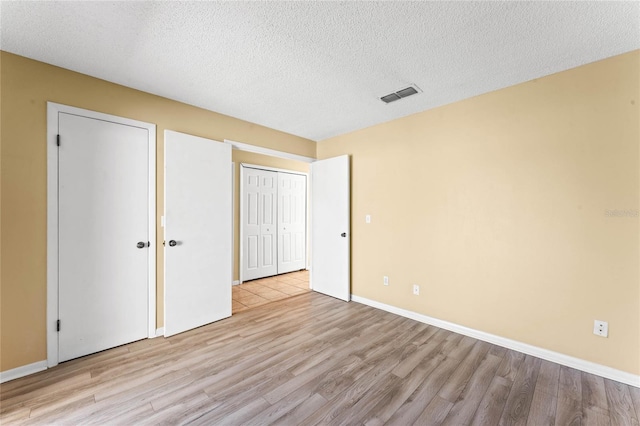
pixel 292 223
pixel 103 234
pixel 258 223
pixel 198 232
pixel 330 232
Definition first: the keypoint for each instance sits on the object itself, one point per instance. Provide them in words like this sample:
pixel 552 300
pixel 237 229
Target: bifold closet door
pixel 258 220
pixel 292 222
pixel 198 232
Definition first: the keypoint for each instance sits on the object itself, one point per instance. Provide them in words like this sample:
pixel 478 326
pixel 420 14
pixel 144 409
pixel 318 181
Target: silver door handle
pixel 343 235
pixel 173 243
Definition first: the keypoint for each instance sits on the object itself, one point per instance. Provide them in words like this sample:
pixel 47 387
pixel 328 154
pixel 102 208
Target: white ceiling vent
pixel 402 93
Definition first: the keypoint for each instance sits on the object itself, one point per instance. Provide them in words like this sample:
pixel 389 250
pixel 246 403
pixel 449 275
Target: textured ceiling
pixel 317 69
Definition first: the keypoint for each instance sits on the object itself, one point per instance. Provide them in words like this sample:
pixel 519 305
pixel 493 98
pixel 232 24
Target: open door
pixel 330 231
pixel 198 227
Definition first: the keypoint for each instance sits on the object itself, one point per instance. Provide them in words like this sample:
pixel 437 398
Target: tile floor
pixel 265 290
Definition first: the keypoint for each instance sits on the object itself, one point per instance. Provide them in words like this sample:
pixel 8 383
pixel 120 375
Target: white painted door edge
pixel 52 218
pixel 240 227
pixel 557 357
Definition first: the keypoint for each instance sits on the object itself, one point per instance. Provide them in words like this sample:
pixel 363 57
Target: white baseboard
pixel 236 282
pixel 25 370
pixel 159 332
pixel 562 359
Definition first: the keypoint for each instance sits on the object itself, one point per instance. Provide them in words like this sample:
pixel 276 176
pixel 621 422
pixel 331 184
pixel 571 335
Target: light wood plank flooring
pixel 312 359
pixel 266 290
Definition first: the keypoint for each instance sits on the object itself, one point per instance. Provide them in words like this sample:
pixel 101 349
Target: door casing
pixel 53 109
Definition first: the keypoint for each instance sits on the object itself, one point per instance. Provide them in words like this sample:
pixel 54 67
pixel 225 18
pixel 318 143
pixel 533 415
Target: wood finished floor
pixel 266 290
pixel 312 359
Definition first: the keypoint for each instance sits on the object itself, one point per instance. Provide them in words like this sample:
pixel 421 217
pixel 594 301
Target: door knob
pixel 173 243
pixel 140 244
pixel 343 235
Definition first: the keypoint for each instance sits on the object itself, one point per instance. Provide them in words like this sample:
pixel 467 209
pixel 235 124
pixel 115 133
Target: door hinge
pixel 58 325
pixel 58 140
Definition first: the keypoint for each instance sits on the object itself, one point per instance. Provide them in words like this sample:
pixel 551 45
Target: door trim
pixel 273 169
pixel 53 109
pixel 241 259
pixel 268 151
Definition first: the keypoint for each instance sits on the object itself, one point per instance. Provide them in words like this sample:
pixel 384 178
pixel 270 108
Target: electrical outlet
pixel 601 328
pixel 385 280
pixel 416 289
pixel 367 218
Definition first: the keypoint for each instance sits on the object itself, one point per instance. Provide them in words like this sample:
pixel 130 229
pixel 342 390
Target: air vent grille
pixel 402 93
pixel 406 92
pixel 390 98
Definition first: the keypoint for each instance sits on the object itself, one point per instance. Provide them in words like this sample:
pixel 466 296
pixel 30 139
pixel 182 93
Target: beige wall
pixel 496 205
pixel 259 160
pixel 26 86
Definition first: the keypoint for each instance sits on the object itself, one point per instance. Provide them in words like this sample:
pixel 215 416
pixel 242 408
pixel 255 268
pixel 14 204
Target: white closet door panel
pixel 103 214
pixel 258 217
pixel 292 198
pixel 250 223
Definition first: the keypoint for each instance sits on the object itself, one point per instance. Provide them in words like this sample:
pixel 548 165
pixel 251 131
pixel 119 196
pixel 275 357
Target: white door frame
pixel 241 231
pixel 53 109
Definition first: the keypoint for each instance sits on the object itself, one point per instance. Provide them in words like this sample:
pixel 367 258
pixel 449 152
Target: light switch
pixel 367 218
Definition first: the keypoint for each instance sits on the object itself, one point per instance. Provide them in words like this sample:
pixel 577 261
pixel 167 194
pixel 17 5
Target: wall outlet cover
pixel 601 328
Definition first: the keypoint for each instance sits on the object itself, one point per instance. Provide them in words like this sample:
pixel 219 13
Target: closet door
pixel 103 231
pixel 292 223
pixel 258 223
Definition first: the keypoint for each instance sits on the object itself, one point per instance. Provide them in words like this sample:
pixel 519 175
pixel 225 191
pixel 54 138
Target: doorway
pixel 266 290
